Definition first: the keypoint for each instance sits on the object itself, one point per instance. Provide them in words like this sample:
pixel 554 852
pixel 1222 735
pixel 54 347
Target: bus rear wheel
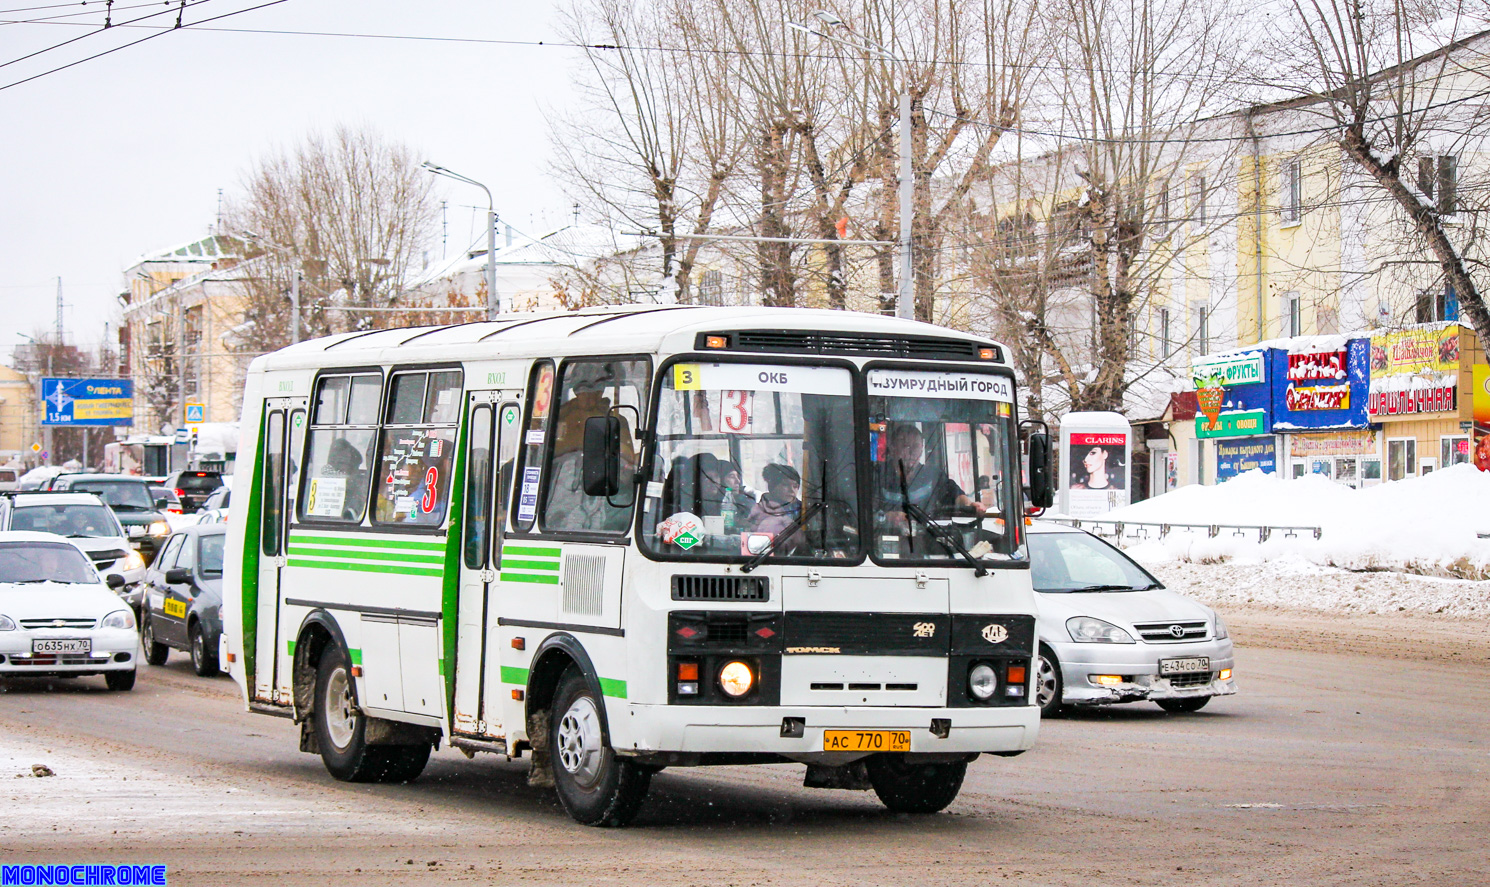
pixel 595 786
pixel 907 786
pixel 341 731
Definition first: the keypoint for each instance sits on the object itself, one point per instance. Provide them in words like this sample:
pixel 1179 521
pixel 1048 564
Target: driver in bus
pixel 903 474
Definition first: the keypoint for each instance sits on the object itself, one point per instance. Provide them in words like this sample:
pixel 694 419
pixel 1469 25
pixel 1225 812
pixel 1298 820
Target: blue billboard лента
pixel 84 402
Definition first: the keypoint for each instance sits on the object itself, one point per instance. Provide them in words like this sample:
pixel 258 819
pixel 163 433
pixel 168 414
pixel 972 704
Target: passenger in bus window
pixel 344 461
pixel 780 506
pixel 905 477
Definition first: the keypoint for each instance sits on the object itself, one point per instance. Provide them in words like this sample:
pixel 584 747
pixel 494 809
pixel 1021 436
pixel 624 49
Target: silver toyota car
pixel 1110 632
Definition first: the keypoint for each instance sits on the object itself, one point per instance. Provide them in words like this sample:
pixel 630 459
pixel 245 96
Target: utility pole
pixel 905 305
pixel 295 307
pixel 59 311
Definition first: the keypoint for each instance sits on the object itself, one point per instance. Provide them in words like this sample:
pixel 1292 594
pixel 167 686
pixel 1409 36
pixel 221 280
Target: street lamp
pixel 493 304
pixel 905 303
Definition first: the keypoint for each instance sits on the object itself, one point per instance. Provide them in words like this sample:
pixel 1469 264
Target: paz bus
pixel 619 540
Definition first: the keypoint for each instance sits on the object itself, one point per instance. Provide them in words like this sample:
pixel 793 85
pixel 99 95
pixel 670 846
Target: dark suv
pixel 131 501
pixel 192 487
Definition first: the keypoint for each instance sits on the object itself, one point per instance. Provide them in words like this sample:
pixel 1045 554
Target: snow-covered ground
pixel 1430 525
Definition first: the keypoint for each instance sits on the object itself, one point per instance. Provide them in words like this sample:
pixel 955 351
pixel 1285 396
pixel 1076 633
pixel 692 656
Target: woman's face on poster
pixel 1095 460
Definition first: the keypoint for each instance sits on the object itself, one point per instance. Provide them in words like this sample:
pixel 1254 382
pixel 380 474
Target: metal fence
pixel 1141 531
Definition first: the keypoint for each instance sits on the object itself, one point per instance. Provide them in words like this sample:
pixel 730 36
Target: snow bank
pixel 1428 525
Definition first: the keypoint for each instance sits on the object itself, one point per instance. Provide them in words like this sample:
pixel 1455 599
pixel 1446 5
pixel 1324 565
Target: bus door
pixel 283 431
pixel 492 424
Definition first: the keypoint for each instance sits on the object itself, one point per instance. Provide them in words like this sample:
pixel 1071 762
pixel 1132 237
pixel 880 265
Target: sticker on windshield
pixel 327 497
pixel 959 386
pixel 735 412
pixel 683 529
pixel 735 377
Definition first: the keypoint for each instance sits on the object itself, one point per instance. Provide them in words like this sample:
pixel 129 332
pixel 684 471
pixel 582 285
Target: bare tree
pixel 1090 234
pixel 351 213
pixel 1390 80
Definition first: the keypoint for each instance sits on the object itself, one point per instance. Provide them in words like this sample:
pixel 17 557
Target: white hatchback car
pixel 1110 632
pixel 58 617
pixel 87 521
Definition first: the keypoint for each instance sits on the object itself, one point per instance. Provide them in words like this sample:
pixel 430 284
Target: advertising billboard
pixel 1233 458
pixel 1232 395
pixel 1323 385
pixel 1096 449
pixel 76 403
pixel 1415 370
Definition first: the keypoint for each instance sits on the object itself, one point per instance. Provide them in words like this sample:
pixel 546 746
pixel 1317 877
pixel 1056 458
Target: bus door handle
pixel 281 561
pixel 488 576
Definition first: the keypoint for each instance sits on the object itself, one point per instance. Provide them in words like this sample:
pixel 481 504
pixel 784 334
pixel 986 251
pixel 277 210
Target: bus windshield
pixel 747 453
pixel 943 486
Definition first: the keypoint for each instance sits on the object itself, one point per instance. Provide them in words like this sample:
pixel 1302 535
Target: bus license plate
pixel 1188 665
pixel 62 645
pixel 866 740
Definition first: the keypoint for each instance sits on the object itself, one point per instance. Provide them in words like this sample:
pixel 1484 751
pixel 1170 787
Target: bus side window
pixel 530 469
pixel 418 449
pixel 274 478
pixel 478 487
pixel 592 388
pixel 343 429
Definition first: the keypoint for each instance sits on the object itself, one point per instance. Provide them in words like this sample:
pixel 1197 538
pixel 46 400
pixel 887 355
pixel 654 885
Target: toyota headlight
pixel 135 560
pixel 120 619
pixel 7 624
pixel 160 528
pixel 1221 631
pixel 1087 630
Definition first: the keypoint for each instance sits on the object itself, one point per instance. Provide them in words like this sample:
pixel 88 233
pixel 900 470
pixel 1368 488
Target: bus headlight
pixel 982 681
pixel 736 679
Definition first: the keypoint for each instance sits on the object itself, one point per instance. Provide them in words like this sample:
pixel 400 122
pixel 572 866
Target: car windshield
pixel 209 554
pixel 45 562
pixel 944 487
pixel 79 520
pixel 117 495
pixel 1079 562
pixel 753 459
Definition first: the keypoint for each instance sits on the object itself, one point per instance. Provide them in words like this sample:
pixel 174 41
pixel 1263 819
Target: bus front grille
pixel 721 588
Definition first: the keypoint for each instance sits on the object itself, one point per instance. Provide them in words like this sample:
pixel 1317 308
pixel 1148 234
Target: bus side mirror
pixel 1042 494
pixel 602 458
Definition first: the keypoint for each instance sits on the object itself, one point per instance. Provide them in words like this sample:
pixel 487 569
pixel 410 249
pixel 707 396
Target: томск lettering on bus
pixel 618 540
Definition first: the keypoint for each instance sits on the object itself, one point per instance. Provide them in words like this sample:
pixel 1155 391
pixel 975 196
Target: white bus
pixel 627 539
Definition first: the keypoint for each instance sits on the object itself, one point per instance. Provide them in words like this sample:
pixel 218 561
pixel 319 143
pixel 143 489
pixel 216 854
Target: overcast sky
pixel 126 153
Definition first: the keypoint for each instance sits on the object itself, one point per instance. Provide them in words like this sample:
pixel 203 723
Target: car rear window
pixel 118 495
pixel 199 482
pixel 45 562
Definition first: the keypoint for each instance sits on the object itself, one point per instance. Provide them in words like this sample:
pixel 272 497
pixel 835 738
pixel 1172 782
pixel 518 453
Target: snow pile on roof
pixel 1428 525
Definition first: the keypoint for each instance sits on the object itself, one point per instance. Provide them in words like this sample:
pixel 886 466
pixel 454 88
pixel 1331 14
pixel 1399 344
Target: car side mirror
pixel 178 576
pixel 601 468
pixel 114 580
pixel 1042 494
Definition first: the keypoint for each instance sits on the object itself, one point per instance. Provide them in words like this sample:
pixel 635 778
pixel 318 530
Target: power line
pixel 183 4
pixel 139 41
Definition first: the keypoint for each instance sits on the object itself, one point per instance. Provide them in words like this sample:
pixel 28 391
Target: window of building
pixel 590 388
pixel 418 449
pixel 1402 458
pixel 1202 330
pixel 1291 189
pixel 1293 315
pixel 1166 343
pixel 1435 305
pixel 343 429
pixel 1197 200
pixel 1438 179
pixel 1453 450
pixel 1161 209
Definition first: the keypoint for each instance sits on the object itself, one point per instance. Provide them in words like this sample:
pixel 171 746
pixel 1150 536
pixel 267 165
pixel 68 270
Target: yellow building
pixel 18 416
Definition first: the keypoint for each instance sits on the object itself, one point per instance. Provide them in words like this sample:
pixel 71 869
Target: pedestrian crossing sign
pixel 196 413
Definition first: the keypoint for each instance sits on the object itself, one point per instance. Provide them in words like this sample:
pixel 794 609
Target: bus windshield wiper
pixel 807 514
pixel 949 539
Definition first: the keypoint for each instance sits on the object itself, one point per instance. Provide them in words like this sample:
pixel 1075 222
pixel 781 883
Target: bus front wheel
pixel 341 730
pixel 907 786
pixel 595 786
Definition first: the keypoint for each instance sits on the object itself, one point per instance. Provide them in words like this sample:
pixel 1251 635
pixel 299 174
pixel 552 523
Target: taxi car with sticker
pixel 58 616
pixel 183 598
pixel 1110 632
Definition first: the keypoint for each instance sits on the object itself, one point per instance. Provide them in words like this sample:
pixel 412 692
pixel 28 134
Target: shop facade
pixel 1232 430
pixel 1422 395
pixel 1321 387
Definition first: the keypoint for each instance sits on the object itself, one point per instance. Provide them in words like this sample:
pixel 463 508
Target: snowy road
pixel 1356 753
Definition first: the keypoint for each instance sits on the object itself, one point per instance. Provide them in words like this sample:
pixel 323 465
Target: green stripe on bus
pixel 367 542
pixel 364 567
pixel 356 655
pixel 529 577
pixel 613 687
pixel 530 550
pixel 290 647
pixel 417 557
pixel 608 686
pixel 530 565
pixel 512 675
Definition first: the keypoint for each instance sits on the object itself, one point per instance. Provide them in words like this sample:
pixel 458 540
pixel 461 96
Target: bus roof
pixel 643 329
